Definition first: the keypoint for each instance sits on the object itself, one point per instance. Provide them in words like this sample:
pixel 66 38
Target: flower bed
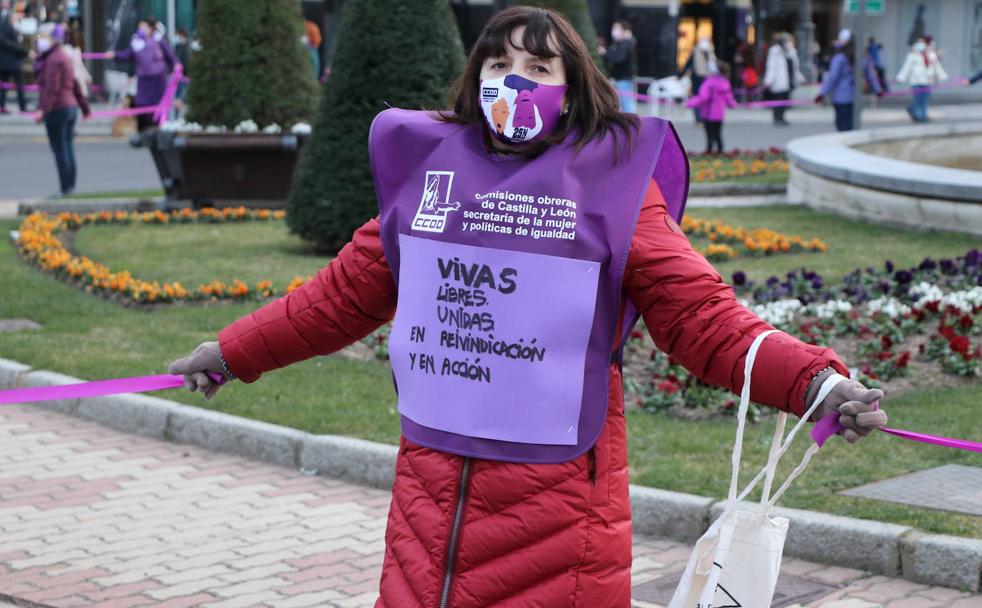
pixel 728 241
pixel 39 243
pixel 736 164
pixel 884 322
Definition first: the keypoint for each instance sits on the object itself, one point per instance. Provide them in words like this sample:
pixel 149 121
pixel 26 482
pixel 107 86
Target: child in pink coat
pixel 714 96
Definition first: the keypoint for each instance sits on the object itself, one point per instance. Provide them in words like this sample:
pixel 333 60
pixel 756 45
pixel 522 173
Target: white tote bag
pixel 737 561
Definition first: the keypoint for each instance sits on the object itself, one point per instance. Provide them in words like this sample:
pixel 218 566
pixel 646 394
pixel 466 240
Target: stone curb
pixel 92 205
pixel 707 189
pixel 880 548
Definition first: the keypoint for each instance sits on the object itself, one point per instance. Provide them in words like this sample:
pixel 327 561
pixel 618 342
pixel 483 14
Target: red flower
pixel 947 332
pixel 965 321
pixel 884 355
pixel 932 306
pixel 960 345
pixel 885 342
pixel 903 359
pixel 667 386
pixel 917 313
pixel 673 378
pixel 637 334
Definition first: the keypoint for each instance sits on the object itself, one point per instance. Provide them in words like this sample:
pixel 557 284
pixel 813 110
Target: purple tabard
pixel 509 274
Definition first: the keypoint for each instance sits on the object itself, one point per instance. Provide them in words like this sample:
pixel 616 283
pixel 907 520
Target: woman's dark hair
pixel 594 109
pixel 849 50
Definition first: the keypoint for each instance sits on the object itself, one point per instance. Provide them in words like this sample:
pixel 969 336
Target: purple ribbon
pixel 136 384
pixel 828 426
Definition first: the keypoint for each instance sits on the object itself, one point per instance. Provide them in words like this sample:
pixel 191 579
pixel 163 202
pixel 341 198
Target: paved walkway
pixel 93 517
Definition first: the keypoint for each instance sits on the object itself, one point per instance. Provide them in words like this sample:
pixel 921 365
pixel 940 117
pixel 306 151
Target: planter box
pixel 224 168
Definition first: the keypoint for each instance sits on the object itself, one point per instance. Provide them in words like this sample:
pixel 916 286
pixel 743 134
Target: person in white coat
pixel 922 70
pixel 781 74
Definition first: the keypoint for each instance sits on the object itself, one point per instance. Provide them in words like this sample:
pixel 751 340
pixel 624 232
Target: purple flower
pixel 739 278
pixel 883 286
pixel 888 265
pixel 772 281
pixel 903 276
pixel 973 258
pixel 817 282
pixel 928 264
pixel 947 266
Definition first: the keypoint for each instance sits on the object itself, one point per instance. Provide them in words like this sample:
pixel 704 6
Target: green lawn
pixel 92 338
pixel 851 243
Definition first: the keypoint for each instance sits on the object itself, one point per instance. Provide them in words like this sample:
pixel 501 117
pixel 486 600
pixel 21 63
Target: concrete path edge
pixel 880 548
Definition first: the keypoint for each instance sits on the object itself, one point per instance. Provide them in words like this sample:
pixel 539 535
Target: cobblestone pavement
pixel 93 517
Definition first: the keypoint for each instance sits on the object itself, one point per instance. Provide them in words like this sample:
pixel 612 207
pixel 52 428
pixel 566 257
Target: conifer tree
pixel 398 53
pixel 251 65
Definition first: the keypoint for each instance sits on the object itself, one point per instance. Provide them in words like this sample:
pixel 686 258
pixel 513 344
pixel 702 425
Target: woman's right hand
pixel 196 366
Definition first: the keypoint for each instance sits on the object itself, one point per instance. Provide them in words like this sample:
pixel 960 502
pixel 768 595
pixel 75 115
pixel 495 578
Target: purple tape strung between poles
pixel 828 426
pixel 136 384
pixel 163 108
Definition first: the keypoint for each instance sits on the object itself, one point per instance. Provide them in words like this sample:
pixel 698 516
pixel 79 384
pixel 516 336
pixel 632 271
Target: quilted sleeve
pixel 347 300
pixel 695 317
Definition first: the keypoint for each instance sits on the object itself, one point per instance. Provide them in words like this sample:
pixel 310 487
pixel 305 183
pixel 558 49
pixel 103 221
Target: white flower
pixel 964 301
pixel 927 292
pixel 778 312
pixel 301 128
pixel 182 126
pixel 272 129
pixel 827 310
pixel 891 307
pixel 215 129
pixel 247 126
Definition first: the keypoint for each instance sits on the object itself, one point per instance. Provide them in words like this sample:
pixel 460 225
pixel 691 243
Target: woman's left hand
pixel 39 117
pixel 857 407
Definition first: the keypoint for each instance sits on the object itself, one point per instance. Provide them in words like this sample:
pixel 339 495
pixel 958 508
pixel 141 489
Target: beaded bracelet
pixel 228 373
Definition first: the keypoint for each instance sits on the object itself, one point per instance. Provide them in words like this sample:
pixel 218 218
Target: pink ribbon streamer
pixel 163 109
pixel 828 426
pixel 99 388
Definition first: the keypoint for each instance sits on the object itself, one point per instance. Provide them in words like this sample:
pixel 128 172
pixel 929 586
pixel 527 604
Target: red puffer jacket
pixel 472 533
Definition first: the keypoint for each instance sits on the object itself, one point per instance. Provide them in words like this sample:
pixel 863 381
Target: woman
pixel 60 99
pixel 621 60
pixel 511 480
pixel 922 70
pixel 781 74
pixel 839 84
pixel 153 60
pixel 715 95
pixel 701 63
pixel 12 56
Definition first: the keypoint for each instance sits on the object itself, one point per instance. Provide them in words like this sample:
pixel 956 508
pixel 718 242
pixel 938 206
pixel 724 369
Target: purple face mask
pixel 519 110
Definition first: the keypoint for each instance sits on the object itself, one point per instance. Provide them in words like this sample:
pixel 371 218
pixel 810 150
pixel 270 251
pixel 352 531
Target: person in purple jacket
pixel 839 84
pixel 153 59
pixel 60 100
pixel 714 96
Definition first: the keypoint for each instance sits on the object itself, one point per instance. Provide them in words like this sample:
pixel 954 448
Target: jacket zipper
pixel 448 572
pixel 592 466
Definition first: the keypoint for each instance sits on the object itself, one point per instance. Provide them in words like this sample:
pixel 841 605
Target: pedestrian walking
pixel 12 55
pixel 781 74
pixel 621 59
pixel 60 100
pixel 874 50
pixel 715 95
pixel 974 78
pixel 839 83
pixel 701 63
pixel 153 60
pixel 922 70
pixel 511 480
